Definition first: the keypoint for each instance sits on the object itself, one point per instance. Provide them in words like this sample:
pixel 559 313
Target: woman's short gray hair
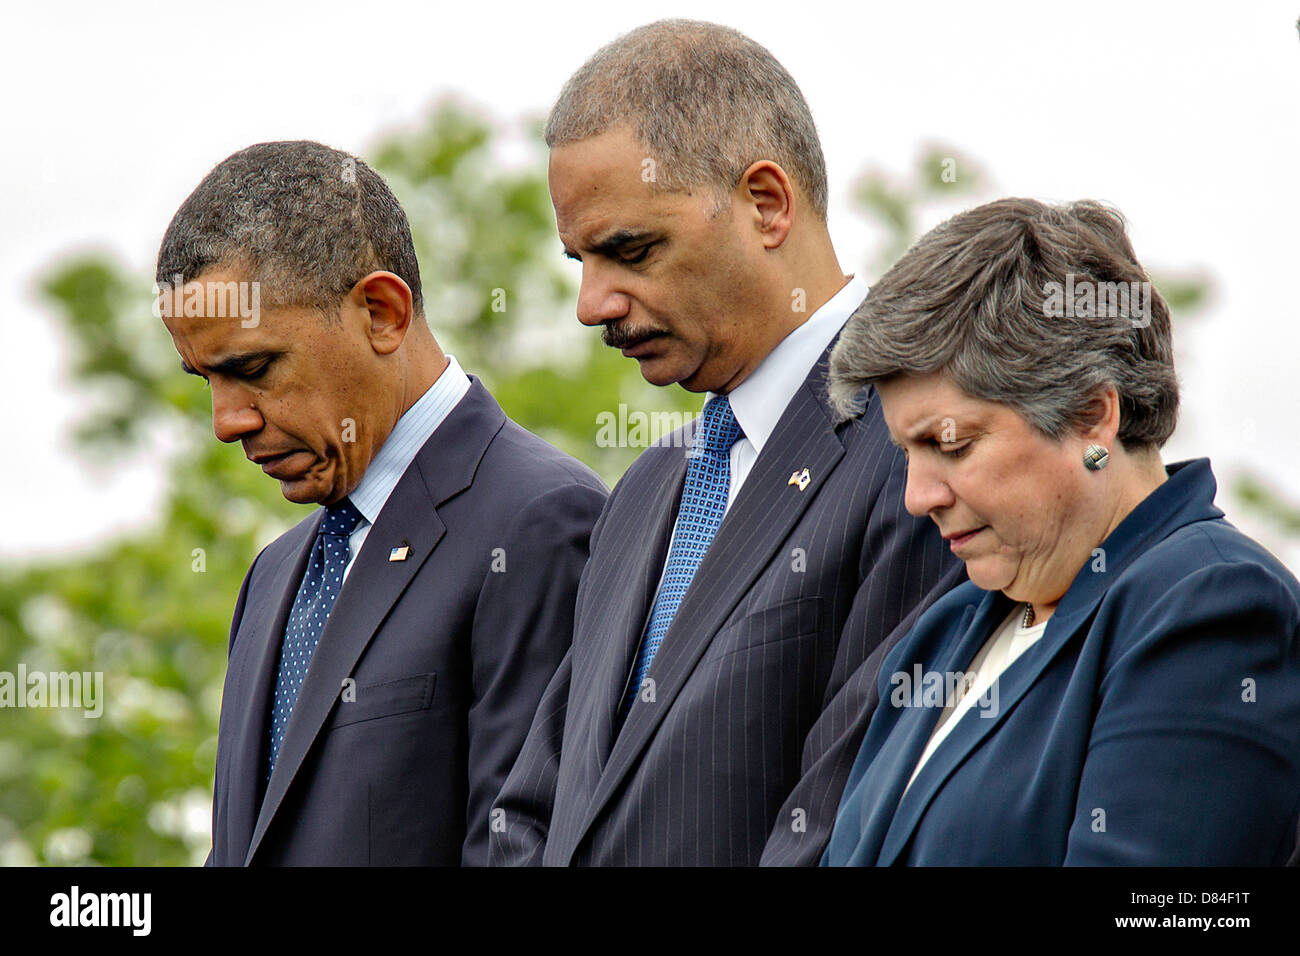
pixel 1037 307
pixel 705 101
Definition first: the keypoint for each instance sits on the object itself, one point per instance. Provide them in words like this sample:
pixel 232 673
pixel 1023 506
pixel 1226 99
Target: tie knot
pixel 340 519
pixel 716 429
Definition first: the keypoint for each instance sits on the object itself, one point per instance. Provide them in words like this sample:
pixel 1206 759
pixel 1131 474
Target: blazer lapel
pixel 647 527
pixel 442 468
pixel 970 731
pixel 765 510
pixel 256 657
pixel 881 788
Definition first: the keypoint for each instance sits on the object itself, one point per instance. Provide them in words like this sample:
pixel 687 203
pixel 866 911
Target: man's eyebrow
pixel 620 239
pixel 612 243
pixel 235 364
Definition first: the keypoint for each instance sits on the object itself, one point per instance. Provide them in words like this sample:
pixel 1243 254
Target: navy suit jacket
pixel 1155 722
pixel 755 656
pixel 445 656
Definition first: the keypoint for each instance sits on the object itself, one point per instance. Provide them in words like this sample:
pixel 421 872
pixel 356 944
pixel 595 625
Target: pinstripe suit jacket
pixel 757 652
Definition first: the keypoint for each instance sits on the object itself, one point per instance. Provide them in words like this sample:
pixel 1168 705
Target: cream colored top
pixel 1008 642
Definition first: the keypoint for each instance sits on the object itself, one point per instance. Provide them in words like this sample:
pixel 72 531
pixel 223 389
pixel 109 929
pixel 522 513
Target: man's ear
pixel 766 188
pixel 389 306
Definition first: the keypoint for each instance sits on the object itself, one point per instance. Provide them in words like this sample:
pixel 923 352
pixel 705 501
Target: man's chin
pixel 660 371
pixel 657 372
pixel 307 489
pixel 299 491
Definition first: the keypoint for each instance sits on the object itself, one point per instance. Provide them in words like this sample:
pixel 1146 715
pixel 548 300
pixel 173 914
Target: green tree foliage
pixel 1254 492
pixel 896 204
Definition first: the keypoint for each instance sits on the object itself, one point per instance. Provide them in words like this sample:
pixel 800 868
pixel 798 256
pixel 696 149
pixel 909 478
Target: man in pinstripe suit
pixel 714 696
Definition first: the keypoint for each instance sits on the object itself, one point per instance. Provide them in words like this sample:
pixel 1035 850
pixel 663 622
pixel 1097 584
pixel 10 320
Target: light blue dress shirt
pixel 408 436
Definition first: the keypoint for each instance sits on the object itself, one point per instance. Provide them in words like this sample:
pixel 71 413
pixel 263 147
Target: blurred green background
pixel 152 610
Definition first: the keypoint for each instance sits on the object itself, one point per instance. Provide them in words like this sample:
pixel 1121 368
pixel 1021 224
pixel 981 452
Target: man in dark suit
pixel 710 636
pixel 387 654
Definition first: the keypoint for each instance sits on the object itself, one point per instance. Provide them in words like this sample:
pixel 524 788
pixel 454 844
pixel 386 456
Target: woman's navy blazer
pixel 1155 722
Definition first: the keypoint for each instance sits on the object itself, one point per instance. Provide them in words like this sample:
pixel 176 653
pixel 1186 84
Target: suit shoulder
pixel 1212 549
pixel 1205 579
pixel 537 463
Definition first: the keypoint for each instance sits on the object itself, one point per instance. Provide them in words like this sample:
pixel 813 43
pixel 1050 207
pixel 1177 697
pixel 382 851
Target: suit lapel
pixel 636 574
pixel 970 731
pixel 880 790
pixel 255 656
pixel 443 467
pixel 765 510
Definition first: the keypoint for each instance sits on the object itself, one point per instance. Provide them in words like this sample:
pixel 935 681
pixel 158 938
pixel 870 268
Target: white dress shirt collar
pixel 407 437
pixel 759 401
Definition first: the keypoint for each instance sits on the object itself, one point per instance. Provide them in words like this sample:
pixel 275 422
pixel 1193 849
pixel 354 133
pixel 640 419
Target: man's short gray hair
pixel 705 101
pixel 304 220
pixel 997 299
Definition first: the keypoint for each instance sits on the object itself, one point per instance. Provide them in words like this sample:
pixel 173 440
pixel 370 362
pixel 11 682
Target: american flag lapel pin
pixel 800 479
pixel 400 553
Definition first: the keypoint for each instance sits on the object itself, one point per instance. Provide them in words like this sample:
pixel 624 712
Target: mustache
pixel 621 336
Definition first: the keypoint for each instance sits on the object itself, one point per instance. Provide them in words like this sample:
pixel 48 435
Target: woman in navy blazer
pixel 1119 681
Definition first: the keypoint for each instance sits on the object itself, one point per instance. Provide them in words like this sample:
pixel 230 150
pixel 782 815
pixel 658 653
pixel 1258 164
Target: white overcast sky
pixel 1185 115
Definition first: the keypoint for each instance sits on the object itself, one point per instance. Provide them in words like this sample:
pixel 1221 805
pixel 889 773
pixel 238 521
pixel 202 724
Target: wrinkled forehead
pixel 609 171
pixel 220 315
pixel 214 295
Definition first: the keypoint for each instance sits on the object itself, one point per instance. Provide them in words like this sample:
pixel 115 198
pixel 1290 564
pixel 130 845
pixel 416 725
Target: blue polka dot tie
pixel 311 609
pixel 704 501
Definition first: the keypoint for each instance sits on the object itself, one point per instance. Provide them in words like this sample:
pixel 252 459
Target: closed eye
pixel 638 256
pixel 253 375
pixel 235 369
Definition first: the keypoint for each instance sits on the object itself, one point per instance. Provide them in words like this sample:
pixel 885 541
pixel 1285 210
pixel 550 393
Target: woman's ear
pixel 1101 417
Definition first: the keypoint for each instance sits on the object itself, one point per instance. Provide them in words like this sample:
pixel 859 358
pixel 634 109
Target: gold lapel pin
pixel 400 554
pixel 800 479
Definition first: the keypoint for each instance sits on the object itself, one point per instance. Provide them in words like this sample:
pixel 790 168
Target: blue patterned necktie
pixel 311 609
pixel 704 500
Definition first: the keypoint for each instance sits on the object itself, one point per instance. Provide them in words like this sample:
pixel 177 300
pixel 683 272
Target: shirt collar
pixel 759 401
pixel 406 439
